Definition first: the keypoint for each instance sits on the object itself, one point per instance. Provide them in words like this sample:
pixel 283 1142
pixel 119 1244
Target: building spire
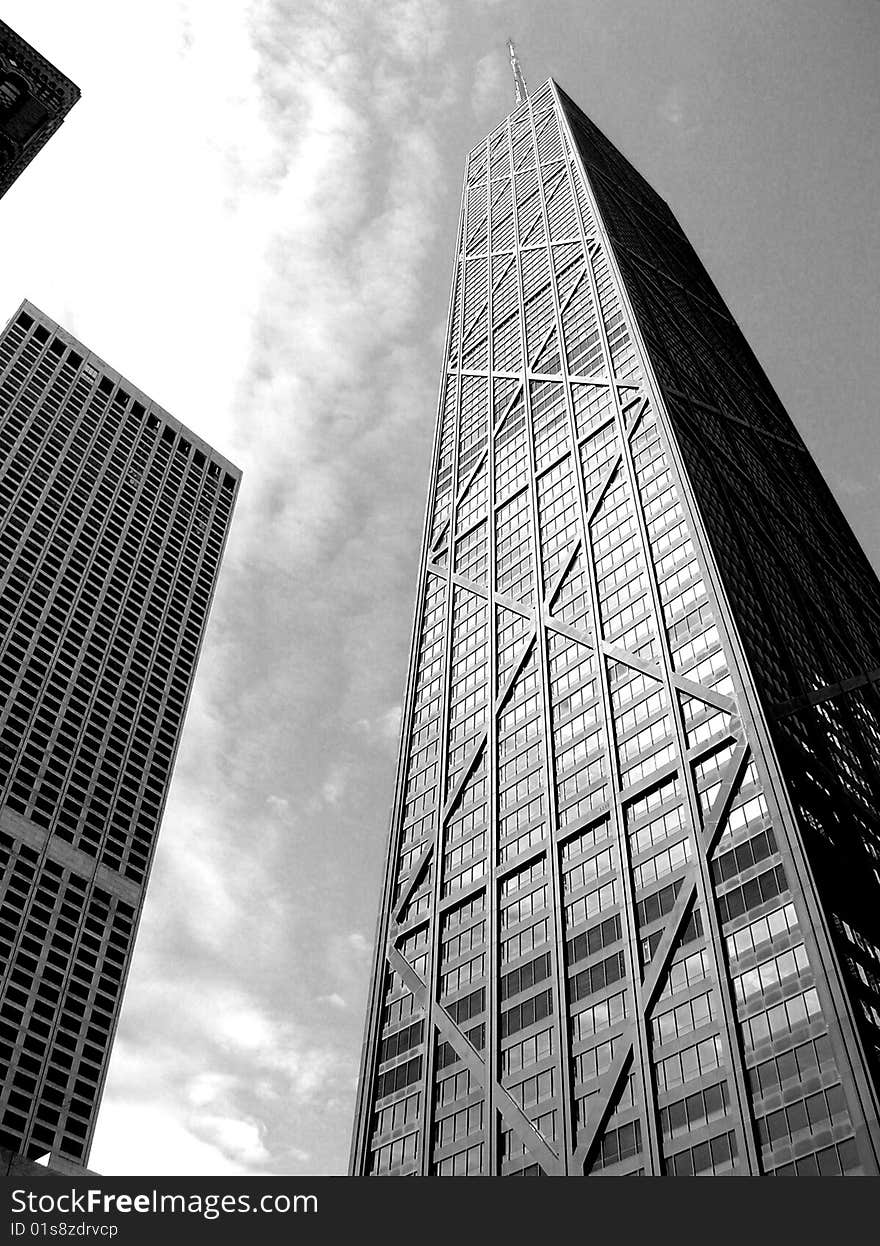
pixel 522 91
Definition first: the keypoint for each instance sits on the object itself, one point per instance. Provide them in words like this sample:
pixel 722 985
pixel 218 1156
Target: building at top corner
pixel 631 914
pixel 113 521
pixel 35 97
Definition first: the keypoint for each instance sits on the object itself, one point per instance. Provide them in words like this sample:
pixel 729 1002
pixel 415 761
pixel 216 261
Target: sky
pixel 251 215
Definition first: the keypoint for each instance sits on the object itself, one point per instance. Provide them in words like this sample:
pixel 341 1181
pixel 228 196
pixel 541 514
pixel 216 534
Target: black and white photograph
pixel 440 493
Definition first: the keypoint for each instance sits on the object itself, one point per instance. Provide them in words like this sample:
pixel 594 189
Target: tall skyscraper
pixel 35 98
pixel 113 518
pixel 630 916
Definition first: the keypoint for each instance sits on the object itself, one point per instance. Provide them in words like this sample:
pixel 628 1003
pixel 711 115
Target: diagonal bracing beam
pixel 660 961
pixel 827 693
pixel 563 571
pixel 603 488
pixel 425 857
pixel 511 1113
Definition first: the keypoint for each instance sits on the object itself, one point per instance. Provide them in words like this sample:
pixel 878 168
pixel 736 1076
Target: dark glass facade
pixel 113 518
pixel 629 922
pixel 35 98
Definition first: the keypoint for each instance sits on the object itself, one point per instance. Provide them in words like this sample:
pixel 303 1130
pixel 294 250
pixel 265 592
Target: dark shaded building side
pixel 804 597
pixel 35 97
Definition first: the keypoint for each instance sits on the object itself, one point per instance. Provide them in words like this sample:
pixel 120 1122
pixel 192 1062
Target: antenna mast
pixel 522 91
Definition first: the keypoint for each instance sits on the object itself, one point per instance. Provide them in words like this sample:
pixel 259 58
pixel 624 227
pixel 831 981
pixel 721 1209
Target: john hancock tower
pixel 630 916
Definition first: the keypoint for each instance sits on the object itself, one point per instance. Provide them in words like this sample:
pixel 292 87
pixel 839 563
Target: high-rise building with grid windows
pixel 630 916
pixel 113 518
pixel 35 97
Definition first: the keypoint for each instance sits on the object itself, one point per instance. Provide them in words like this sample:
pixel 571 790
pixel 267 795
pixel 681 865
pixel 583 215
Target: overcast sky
pixel 250 214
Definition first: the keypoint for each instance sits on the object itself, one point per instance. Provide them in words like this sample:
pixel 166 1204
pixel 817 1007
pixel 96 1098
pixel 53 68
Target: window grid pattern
pixel 112 524
pixel 641 940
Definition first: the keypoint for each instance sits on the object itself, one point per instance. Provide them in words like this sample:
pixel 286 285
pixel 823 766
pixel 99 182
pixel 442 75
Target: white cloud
pixel 245 1028
pixel 358 944
pixel 237 1139
pixel 139 1138
pixel 334 1000
pixel 676 108
pixel 492 86
pixel 384 728
pixel 389 723
pixel 271 224
pixel 208 1088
